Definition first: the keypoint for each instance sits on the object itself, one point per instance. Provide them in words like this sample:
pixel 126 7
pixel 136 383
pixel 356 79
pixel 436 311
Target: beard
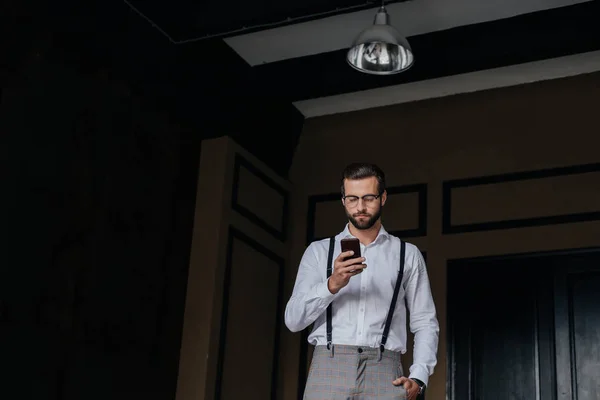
pixel 365 223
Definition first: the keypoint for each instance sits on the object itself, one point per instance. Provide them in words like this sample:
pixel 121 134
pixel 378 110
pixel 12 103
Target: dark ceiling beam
pixel 526 38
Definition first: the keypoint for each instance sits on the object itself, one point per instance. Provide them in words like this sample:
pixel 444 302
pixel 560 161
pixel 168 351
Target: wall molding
pixel 236 234
pixel 420 189
pixel 449 228
pixel 279 233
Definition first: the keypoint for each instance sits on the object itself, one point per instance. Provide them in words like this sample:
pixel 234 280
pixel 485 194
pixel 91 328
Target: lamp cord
pixel 287 21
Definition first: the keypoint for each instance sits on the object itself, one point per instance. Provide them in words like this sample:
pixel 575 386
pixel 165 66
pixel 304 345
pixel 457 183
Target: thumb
pixel 400 381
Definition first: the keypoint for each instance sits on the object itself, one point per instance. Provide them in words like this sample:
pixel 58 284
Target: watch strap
pixel 420 383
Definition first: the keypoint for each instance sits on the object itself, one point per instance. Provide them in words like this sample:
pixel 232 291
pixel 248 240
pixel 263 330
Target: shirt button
pixel 359 333
pixel 362 310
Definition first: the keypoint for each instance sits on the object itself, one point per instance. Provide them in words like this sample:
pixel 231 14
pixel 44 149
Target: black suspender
pixel 388 321
pixel 329 270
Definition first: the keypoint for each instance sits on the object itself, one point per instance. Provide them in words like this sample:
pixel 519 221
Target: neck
pixel 366 236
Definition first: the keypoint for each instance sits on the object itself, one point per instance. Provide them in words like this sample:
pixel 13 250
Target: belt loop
pixel 330 348
pixel 380 350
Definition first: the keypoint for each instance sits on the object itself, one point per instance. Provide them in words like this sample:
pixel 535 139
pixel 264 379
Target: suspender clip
pixel 380 351
pixel 330 348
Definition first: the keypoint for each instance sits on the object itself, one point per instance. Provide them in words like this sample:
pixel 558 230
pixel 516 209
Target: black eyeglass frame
pixel 375 197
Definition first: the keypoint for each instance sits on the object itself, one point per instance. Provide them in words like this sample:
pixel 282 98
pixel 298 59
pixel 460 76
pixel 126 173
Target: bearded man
pixel 359 313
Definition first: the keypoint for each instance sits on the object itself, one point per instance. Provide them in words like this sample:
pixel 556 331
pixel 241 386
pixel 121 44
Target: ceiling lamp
pixel 380 49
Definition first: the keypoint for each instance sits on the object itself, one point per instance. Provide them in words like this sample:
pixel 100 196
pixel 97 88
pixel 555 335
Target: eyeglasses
pixel 368 199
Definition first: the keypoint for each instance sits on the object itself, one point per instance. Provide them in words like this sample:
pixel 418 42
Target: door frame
pixel 450 367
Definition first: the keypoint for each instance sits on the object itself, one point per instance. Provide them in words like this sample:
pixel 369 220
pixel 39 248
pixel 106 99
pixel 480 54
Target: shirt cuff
pixel 324 293
pixel 417 372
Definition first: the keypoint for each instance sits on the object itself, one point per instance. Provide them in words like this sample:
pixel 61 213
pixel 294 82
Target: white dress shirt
pixel 360 308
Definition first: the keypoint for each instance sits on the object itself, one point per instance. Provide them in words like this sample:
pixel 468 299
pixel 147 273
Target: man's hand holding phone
pixel 346 265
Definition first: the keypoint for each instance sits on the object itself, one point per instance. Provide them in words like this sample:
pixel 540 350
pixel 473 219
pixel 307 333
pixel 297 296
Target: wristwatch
pixel 421 385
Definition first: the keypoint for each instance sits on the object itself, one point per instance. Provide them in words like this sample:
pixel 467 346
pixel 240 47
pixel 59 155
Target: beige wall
pixel 237 261
pixel 533 127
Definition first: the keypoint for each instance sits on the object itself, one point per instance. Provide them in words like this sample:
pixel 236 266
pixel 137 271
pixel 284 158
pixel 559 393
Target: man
pixel 353 359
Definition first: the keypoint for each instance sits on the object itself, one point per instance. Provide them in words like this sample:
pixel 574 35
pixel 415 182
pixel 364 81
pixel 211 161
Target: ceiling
pixel 412 18
pixel 255 70
pixel 298 47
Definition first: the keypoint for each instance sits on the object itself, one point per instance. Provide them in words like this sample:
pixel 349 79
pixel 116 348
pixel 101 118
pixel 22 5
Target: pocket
pixel 400 371
pixel 402 394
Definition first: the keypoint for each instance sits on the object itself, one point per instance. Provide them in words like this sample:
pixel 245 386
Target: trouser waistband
pixel 360 350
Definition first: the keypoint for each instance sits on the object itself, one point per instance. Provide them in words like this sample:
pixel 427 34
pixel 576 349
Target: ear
pixel 383 198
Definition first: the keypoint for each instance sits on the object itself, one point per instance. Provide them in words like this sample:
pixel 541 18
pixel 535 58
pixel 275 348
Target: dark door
pixel 525 327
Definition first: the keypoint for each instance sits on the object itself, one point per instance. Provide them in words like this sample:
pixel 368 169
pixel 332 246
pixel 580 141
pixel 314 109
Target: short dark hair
pixel 364 170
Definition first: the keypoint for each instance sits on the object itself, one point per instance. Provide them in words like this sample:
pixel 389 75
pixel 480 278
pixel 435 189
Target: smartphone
pixel 351 244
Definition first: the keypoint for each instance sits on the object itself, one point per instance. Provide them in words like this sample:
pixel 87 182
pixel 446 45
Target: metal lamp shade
pixel 380 49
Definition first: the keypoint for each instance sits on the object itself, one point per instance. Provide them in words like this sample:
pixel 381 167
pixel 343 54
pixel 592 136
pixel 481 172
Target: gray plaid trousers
pixel 353 373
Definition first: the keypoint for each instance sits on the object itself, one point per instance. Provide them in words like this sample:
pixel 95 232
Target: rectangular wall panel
pixel 252 307
pixel 259 198
pixel 533 198
pixel 404 215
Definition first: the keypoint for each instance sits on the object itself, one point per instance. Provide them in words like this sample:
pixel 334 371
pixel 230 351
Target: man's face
pixel 362 203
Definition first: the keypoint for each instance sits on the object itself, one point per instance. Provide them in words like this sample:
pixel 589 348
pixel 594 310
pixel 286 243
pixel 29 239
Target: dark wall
pixel 101 124
pixel 100 203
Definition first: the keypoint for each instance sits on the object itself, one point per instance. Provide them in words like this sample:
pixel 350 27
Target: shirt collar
pixel 381 235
